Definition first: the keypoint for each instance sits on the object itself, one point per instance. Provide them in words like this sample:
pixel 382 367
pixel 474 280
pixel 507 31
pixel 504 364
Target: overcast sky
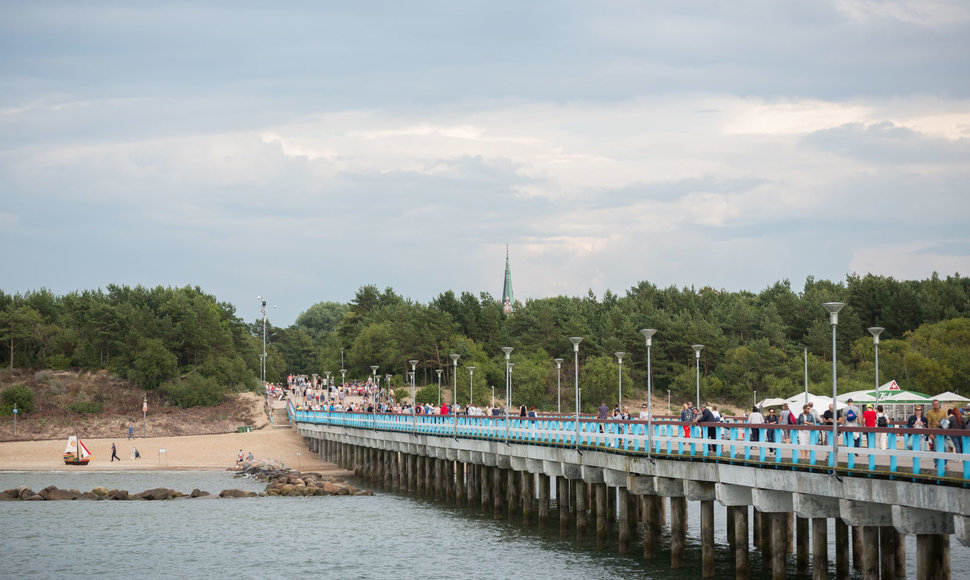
pixel 301 150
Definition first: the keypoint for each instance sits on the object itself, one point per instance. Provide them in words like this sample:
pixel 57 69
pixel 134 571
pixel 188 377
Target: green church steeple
pixel 508 299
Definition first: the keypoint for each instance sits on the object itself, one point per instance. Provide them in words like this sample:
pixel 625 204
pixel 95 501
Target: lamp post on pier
pixel 648 334
pixel 558 362
pixel 619 399
pixel 414 366
pixel 471 385
pixel 576 340
pixel 508 353
pixel 833 309
pixel 454 388
pixel 697 363
pixel 439 371
pixel 875 331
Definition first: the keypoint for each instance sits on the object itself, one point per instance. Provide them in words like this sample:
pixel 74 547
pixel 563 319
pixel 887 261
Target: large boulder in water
pixel 100 491
pixel 52 493
pixel 118 494
pixel 237 493
pixel 159 493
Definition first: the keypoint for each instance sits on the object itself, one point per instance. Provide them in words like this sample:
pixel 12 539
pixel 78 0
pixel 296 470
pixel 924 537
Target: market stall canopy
pixel 860 397
pixel 951 397
pixel 819 402
pixel 906 398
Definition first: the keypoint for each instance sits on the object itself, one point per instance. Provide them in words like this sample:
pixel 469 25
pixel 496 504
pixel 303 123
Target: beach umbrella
pixel 772 403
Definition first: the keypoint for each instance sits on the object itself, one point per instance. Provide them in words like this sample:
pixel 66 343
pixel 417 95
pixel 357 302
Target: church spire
pixel 508 299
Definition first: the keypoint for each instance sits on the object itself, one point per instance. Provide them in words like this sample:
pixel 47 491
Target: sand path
pixel 186 452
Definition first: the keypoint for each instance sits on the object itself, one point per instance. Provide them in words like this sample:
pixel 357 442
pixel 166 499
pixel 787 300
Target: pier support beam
pixel 580 487
pixel 841 554
pixel 802 555
pixel 779 544
pixel 887 552
pixel 412 465
pixel 820 546
pixel 497 497
pixel 601 503
pixel 742 565
pixel 543 493
pixel 870 552
pixel 707 538
pixel 527 497
pixel 678 531
pixel 562 505
pixel 485 482
pixel 650 505
pixel 932 530
pixel 459 483
pixel 623 521
pixel 932 556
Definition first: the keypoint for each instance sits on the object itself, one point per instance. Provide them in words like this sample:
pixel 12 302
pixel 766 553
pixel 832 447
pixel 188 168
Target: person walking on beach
pixel 114 453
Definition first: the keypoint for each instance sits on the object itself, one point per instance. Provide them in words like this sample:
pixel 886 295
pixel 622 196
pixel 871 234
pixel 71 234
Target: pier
pixel 639 476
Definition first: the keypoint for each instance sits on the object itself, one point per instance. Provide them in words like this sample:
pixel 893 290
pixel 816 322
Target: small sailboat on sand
pixel 76 453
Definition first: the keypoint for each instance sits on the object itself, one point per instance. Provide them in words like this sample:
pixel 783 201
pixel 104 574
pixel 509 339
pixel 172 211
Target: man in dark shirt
pixel 708 417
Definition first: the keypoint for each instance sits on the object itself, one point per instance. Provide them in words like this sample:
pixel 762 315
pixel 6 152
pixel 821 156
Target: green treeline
pixel 179 340
pixel 195 348
pixel 752 342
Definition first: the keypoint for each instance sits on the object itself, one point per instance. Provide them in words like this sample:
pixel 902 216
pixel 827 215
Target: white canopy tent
pixel 772 403
pixel 820 403
pixel 951 397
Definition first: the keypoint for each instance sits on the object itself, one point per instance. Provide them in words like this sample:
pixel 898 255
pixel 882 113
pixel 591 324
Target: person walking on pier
pixel 755 418
pixel 805 435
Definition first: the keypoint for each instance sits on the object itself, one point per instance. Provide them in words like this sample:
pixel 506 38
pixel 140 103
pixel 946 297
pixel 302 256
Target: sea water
pixel 388 535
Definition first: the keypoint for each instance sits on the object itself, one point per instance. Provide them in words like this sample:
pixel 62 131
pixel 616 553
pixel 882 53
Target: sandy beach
pixel 212 452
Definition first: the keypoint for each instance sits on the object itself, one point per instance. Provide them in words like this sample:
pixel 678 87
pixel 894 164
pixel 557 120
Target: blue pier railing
pixel 896 453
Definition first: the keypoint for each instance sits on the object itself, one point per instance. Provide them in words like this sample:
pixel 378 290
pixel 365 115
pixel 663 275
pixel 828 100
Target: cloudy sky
pixel 301 150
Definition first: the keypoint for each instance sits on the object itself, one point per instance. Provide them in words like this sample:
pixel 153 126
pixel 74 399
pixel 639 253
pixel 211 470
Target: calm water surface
pixel 385 536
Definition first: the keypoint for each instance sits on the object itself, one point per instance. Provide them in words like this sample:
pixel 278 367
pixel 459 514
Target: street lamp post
pixel 471 385
pixel 619 399
pixel 341 358
pixel 576 340
pixel 508 352
pixel 493 396
pixel 439 371
pixel 343 380
pixel 648 334
pixel 558 362
pixel 414 367
pixel 387 385
pixel 806 376
pixel 328 379
pixel 511 368
pixel 454 389
pixel 373 370
pixel 833 309
pixel 668 402
pixel 262 366
pixel 875 331
pixel 697 363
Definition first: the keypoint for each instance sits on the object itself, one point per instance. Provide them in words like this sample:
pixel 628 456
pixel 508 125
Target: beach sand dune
pixel 185 452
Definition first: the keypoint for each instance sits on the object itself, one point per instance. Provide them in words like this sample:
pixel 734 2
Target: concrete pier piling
pixel 841 552
pixel 779 544
pixel 498 499
pixel 707 538
pixel 580 489
pixel 742 565
pixel 543 500
pixel 932 557
pixel 562 505
pixel 887 552
pixel 601 503
pixel 678 531
pixel 820 544
pixel 651 524
pixel 870 552
pixel 527 496
pixel 802 543
pixel 623 522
